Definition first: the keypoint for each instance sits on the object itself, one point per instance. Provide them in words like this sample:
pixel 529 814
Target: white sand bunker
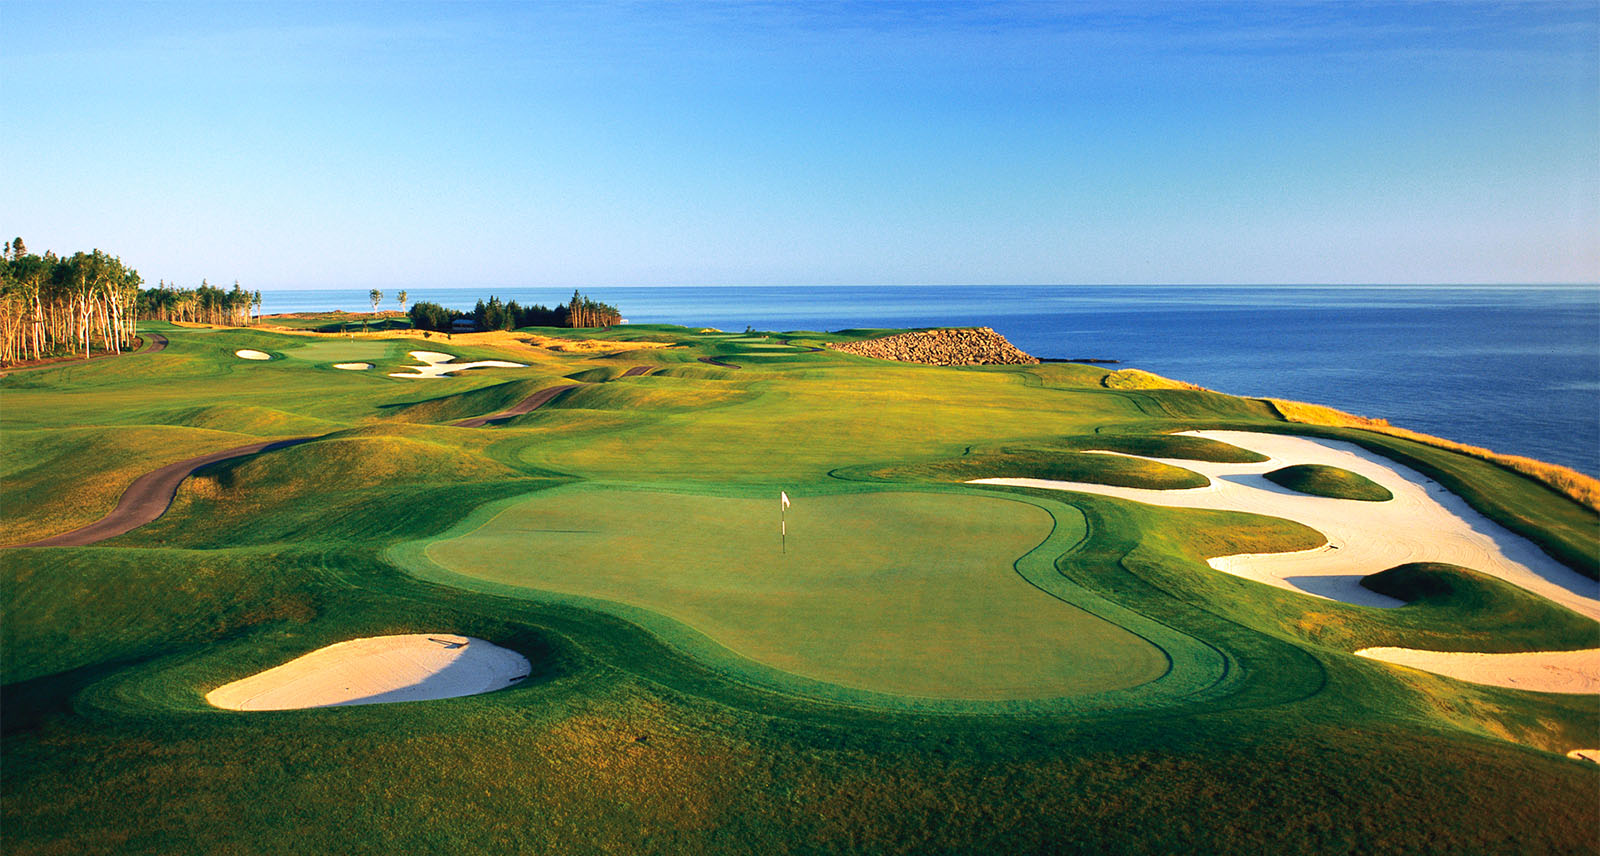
pixel 378 669
pixel 353 367
pixel 1423 523
pixel 247 354
pixel 1540 671
pixel 1585 755
pixel 435 364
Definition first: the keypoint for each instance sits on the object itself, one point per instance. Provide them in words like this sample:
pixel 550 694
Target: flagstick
pixel 783 531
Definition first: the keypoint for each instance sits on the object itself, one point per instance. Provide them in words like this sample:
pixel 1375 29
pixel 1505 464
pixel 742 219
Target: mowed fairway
pixel 894 592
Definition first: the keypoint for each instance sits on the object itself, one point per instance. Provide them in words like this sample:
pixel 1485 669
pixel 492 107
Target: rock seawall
pixel 967 346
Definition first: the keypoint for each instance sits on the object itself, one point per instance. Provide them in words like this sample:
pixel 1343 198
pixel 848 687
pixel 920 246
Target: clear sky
pixel 594 144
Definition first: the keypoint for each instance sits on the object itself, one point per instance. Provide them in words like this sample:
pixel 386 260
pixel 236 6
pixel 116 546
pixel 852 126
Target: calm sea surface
pixel 1516 369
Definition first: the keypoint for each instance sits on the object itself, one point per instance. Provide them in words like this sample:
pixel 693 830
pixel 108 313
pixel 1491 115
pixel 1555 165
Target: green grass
pixel 1168 446
pixel 1333 482
pixel 1263 734
pixel 897 593
pixel 1056 465
pixel 1452 608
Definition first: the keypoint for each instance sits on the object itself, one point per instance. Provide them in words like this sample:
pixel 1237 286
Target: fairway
pixel 903 593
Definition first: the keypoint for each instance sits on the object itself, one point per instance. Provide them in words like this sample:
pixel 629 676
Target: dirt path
pixel 154 343
pixel 149 496
pixel 538 400
pixel 526 405
pixel 713 361
pixel 152 493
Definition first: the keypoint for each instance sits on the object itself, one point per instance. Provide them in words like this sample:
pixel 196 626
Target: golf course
pixel 659 589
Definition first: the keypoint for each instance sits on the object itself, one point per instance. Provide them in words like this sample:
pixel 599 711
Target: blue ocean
pixel 1516 369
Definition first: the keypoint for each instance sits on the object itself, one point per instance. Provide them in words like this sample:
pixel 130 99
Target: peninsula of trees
pixel 52 306
pixel 495 315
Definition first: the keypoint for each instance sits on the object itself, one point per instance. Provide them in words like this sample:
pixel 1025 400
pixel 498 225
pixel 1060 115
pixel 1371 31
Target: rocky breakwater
pixel 966 346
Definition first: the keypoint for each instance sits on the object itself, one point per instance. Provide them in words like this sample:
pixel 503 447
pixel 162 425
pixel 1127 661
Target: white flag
pixel 784 498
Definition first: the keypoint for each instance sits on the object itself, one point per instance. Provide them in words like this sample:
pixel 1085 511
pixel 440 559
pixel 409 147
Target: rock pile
pixel 968 346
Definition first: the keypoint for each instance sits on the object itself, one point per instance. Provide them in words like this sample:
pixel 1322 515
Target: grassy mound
pixel 357 461
pixel 1480 612
pixel 477 402
pixel 1334 482
pixel 248 419
pixel 1141 379
pixel 1053 464
pixel 1169 446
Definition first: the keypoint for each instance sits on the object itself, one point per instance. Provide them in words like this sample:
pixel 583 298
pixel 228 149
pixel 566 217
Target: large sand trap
pixel 1423 523
pixel 248 354
pixel 378 669
pixel 1540 671
pixel 353 367
pixel 436 364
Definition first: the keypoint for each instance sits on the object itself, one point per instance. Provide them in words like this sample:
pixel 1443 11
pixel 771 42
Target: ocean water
pixel 1516 369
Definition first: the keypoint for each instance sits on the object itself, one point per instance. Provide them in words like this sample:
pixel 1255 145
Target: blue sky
pixel 592 144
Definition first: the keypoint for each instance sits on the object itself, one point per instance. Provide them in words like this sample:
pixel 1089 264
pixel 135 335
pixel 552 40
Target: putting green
pixel 344 351
pixel 910 594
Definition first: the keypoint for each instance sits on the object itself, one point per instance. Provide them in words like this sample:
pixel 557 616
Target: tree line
pixel 495 315
pixel 52 305
pixel 205 304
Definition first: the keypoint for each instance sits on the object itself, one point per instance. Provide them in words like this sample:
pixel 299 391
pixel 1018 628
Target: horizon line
pixel 369 286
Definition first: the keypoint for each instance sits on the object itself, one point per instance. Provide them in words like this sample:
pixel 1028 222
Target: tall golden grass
pixel 1566 481
pixel 1141 379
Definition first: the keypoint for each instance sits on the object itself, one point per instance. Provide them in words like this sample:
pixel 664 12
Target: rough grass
pixel 1141 379
pixel 247 419
pixel 58 480
pixel 1333 482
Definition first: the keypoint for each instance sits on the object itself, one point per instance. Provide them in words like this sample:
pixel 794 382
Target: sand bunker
pixel 435 364
pixel 248 354
pixel 1540 671
pixel 376 670
pixel 353 367
pixel 1585 755
pixel 1423 523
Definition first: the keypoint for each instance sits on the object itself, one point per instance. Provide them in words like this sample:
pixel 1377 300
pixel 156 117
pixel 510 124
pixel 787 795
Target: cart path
pixel 526 405
pixel 538 400
pixel 713 361
pixel 151 494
